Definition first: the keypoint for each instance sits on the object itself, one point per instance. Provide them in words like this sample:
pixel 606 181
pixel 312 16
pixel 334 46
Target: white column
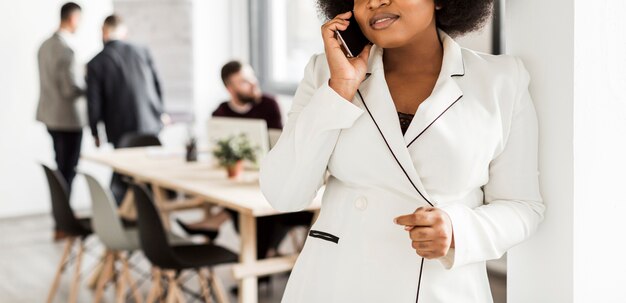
pixel 576 54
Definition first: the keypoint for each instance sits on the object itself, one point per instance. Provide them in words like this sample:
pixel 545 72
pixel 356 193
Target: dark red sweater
pixel 267 109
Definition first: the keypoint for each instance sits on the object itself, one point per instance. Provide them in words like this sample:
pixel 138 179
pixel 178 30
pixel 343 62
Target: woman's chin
pixel 387 42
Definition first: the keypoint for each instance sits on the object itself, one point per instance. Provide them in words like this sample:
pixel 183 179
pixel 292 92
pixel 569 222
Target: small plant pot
pixel 234 171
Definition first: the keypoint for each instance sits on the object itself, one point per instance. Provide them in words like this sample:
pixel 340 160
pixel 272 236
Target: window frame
pixel 260 39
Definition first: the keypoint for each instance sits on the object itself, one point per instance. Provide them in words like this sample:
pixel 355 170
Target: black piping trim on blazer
pixel 431 123
pixel 324 236
pixel 392 153
pixel 419 280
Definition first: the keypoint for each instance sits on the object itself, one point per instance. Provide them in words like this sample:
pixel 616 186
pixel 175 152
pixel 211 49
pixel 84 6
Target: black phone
pixel 352 39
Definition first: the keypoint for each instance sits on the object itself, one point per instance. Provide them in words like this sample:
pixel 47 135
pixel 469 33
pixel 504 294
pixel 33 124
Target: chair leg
pixel 120 287
pixel 97 271
pixel 218 287
pixel 172 285
pixel 179 296
pixel 69 242
pixel 155 290
pixel 202 278
pixel 129 279
pixel 105 276
pixel 76 282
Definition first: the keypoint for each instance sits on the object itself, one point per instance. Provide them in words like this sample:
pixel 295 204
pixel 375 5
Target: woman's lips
pixel 383 21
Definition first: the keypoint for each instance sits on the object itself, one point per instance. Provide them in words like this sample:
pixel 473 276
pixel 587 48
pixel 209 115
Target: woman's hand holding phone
pixel 346 73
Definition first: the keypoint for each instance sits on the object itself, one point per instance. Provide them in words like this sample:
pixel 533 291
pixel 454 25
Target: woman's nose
pixel 374 4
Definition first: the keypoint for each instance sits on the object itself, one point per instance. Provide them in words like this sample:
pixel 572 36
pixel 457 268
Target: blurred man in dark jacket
pixel 123 88
pixel 123 92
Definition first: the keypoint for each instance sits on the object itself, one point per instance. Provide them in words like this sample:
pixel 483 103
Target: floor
pixel 28 260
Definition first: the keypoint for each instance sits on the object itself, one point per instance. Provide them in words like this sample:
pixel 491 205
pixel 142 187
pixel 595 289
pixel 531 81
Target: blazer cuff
pixel 448 260
pixel 328 110
pixel 456 256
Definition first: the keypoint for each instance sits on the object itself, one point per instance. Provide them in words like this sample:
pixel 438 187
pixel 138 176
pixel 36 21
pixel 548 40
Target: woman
pixel 408 213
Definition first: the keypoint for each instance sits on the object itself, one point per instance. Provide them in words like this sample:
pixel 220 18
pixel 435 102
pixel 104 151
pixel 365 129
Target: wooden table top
pixel 168 169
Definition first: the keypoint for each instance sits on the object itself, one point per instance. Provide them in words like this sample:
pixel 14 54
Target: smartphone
pixel 352 40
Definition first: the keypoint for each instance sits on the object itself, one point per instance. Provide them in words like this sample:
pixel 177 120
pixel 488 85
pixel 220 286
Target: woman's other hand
pixel 346 73
pixel 430 230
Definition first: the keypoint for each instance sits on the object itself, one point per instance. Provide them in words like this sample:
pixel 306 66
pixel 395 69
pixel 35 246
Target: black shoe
pixel 209 233
pixel 265 280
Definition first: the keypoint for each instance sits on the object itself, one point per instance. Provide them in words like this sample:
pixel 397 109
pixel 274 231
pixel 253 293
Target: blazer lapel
pixel 376 98
pixel 445 94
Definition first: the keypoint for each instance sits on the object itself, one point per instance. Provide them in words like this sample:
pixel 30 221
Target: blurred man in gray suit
pixel 123 91
pixel 60 107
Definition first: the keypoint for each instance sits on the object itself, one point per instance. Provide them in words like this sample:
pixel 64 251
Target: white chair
pixel 119 241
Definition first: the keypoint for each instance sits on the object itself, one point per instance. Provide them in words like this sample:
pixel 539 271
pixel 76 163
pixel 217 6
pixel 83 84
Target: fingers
pixel 422 234
pixel 430 249
pixel 340 22
pixel 430 231
pixel 423 216
pixel 329 28
pixel 345 15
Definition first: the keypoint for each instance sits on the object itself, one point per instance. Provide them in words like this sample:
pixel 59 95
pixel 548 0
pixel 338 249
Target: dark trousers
pixel 118 188
pixel 66 152
pixel 271 230
pixel 118 185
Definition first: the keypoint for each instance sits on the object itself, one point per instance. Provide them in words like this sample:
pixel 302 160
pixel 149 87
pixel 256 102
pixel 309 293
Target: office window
pixel 285 34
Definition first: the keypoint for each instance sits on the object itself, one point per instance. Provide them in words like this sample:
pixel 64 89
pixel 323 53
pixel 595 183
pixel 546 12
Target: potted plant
pixel 232 151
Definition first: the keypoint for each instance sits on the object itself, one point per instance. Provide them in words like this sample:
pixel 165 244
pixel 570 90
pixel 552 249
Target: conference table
pixel 202 184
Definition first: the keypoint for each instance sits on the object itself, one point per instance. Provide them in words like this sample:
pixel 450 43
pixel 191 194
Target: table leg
pixel 160 200
pixel 127 208
pixel 248 292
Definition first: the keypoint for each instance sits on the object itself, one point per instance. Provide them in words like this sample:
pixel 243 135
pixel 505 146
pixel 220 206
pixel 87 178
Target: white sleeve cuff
pixel 454 257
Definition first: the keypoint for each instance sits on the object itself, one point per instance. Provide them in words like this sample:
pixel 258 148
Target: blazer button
pixel 360 203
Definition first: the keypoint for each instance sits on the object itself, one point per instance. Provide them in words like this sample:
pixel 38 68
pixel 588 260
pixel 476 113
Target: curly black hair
pixel 456 17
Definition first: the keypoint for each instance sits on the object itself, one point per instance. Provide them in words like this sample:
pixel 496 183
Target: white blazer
pixel 470 150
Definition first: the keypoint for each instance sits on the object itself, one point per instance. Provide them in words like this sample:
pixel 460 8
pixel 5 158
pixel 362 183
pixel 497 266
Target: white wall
pixel 540 270
pixel 574 51
pixel 24 142
pixel 599 151
pixel 220 34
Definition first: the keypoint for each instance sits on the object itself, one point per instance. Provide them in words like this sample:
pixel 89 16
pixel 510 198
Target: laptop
pixel 274 135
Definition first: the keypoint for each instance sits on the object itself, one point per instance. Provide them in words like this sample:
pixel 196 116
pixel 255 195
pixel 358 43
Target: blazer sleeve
pixel 95 97
pixel 155 75
pixel 293 171
pixel 513 207
pixel 69 84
